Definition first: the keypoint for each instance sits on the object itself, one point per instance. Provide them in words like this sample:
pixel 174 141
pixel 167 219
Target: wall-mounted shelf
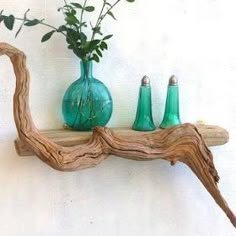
pixel 213 135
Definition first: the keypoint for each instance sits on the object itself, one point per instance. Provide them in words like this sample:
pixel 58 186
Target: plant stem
pixel 82 14
pixel 97 23
pixel 45 24
pixel 41 23
pixel 102 17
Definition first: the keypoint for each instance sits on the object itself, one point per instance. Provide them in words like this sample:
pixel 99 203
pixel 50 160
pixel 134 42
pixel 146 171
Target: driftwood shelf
pixel 184 143
pixel 213 136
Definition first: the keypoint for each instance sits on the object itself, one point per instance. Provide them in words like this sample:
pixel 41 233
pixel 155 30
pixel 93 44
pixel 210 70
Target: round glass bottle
pixel 87 102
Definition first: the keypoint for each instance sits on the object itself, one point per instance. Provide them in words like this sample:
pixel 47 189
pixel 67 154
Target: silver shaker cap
pixel 145 81
pixel 173 81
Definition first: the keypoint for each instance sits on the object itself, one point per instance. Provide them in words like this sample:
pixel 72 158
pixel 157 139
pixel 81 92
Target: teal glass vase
pixel 87 102
pixel 143 120
pixel 171 115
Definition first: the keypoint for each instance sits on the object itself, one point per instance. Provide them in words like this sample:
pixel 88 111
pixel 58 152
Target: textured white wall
pixel 195 40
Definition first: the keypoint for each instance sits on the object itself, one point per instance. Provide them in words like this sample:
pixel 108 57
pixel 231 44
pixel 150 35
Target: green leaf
pixel 71 19
pixel 72 36
pixel 47 36
pixel 95 57
pixel 78 52
pixel 61 28
pixel 130 0
pixel 33 22
pixel 99 52
pixel 1 18
pixel 112 15
pixel 89 8
pixel 97 30
pixel 67 7
pixel 73 12
pixel 9 21
pixel 108 37
pixel 93 44
pixel 77 5
pixel 83 24
pixel 83 38
pixel 103 45
pixel 109 4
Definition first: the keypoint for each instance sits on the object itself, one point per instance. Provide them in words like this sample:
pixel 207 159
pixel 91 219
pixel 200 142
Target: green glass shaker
pixel 171 116
pixel 144 121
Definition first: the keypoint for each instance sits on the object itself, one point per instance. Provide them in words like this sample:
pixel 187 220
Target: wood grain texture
pixel 181 143
pixel 213 136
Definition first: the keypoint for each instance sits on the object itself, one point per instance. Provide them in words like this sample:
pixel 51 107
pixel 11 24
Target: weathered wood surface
pixel 213 136
pixel 181 143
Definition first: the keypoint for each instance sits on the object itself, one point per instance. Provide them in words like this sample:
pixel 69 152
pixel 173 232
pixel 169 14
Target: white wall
pixel 195 40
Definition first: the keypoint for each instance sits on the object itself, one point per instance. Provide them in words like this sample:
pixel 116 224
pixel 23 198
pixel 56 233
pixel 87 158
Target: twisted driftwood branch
pixel 213 136
pixel 181 143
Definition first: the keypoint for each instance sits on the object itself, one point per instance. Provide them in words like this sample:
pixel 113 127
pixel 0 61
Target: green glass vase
pixel 143 120
pixel 171 115
pixel 87 102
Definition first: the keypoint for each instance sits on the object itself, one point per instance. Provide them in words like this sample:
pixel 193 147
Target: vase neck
pixel 86 69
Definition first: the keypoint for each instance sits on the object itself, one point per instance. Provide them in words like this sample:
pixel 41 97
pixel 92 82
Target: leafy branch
pixel 73 28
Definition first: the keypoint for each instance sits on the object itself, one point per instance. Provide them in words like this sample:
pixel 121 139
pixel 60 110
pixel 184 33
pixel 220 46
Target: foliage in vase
pixel 85 45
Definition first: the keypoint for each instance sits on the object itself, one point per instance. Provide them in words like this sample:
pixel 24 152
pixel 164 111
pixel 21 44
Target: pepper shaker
pixel 144 121
pixel 171 115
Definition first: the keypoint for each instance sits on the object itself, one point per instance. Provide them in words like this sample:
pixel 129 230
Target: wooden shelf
pixel 213 135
